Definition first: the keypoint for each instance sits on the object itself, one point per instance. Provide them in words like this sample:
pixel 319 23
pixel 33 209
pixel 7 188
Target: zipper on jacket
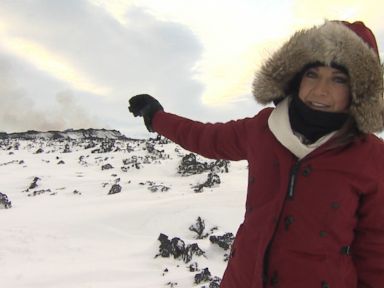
pixel 291 191
pixel 265 272
pixel 292 179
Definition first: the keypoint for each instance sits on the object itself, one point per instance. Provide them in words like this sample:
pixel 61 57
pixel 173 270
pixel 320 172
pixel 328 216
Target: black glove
pixel 146 106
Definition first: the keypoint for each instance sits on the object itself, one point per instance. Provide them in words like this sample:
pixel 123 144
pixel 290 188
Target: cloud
pixel 148 51
pixel 50 63
pixel 145 46
pixel 233 40
pixel 310 13
pixel 148 56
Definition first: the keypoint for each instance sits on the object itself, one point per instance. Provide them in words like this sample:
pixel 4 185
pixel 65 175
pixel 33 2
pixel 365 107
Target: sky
pixel 75 63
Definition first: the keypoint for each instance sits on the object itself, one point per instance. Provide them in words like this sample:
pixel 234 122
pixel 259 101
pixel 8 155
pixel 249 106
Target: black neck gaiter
pixel 313 124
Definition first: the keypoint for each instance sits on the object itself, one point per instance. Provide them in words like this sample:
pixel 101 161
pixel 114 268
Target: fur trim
pixel 329 43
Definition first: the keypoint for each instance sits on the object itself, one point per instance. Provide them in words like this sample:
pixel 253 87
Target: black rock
pixel 199 227
pixel 160 140
pixel 176 247
pixel 220 166
pixel 42 191
pixel 165 249
pixel 203 276
pixel 225 241
pixel 153 187
pixel 4 201
pixel 66 149
pixel 34 183
pixel 190 166
pixel 215 282
pixel 106 167
pixel 129 148
pixel 84 134
pixel 39 151
pixel 155 153
pixel 193 267
pixel 212 180
pixel 82 161
pixel 106 146
pixel 116 188
pixel 133 162
pixel 90 145
pixel 150 147
pixel 192 249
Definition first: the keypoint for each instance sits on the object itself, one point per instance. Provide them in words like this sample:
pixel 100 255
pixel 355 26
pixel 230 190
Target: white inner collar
pixel 280 126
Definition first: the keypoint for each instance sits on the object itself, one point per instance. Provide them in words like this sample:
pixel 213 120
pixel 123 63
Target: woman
pixel 314 210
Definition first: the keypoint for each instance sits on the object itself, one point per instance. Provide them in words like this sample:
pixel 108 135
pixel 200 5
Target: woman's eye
pixel 340 79
pixel 310 74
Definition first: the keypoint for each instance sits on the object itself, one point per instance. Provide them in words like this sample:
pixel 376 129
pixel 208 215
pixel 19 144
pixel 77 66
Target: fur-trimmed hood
pixel 332 42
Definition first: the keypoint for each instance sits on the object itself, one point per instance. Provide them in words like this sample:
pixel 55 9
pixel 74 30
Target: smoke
pixel 19 111
pixel 71 114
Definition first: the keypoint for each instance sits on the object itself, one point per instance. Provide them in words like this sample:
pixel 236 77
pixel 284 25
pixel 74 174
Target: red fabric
pixel 364 33
pixel 338 201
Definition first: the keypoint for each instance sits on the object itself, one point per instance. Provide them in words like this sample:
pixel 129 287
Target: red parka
pixel 317 222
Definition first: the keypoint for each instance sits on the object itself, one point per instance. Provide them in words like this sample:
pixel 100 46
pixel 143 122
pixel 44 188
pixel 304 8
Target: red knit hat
pixel 364 33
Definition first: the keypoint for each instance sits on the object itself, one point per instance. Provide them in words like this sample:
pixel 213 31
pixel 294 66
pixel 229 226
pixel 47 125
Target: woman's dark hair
pixel 347 134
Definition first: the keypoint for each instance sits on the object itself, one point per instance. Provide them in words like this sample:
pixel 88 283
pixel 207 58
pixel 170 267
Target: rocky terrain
pixel 100 165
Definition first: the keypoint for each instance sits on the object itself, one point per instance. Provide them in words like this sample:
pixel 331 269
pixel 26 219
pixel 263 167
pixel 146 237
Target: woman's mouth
pixel 318 105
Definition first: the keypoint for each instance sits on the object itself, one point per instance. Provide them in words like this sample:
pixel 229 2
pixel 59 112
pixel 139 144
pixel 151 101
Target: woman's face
pixel 326 89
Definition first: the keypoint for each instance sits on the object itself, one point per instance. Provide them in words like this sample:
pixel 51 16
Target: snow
pixel 91 239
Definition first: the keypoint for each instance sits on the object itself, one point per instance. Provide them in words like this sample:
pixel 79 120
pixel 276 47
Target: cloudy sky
pixel 75 63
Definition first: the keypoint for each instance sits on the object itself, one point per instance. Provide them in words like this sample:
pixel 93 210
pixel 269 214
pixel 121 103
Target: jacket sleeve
pixel 216 141
pixel 368 246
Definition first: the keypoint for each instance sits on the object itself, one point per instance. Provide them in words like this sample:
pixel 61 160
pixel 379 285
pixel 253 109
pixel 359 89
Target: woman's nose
pixel 321 88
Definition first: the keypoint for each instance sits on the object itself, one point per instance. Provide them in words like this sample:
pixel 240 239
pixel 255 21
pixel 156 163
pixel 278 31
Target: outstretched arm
pixel 217 141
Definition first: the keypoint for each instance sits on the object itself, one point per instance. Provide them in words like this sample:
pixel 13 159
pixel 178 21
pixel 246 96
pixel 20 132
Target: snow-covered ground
pixel 69 232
